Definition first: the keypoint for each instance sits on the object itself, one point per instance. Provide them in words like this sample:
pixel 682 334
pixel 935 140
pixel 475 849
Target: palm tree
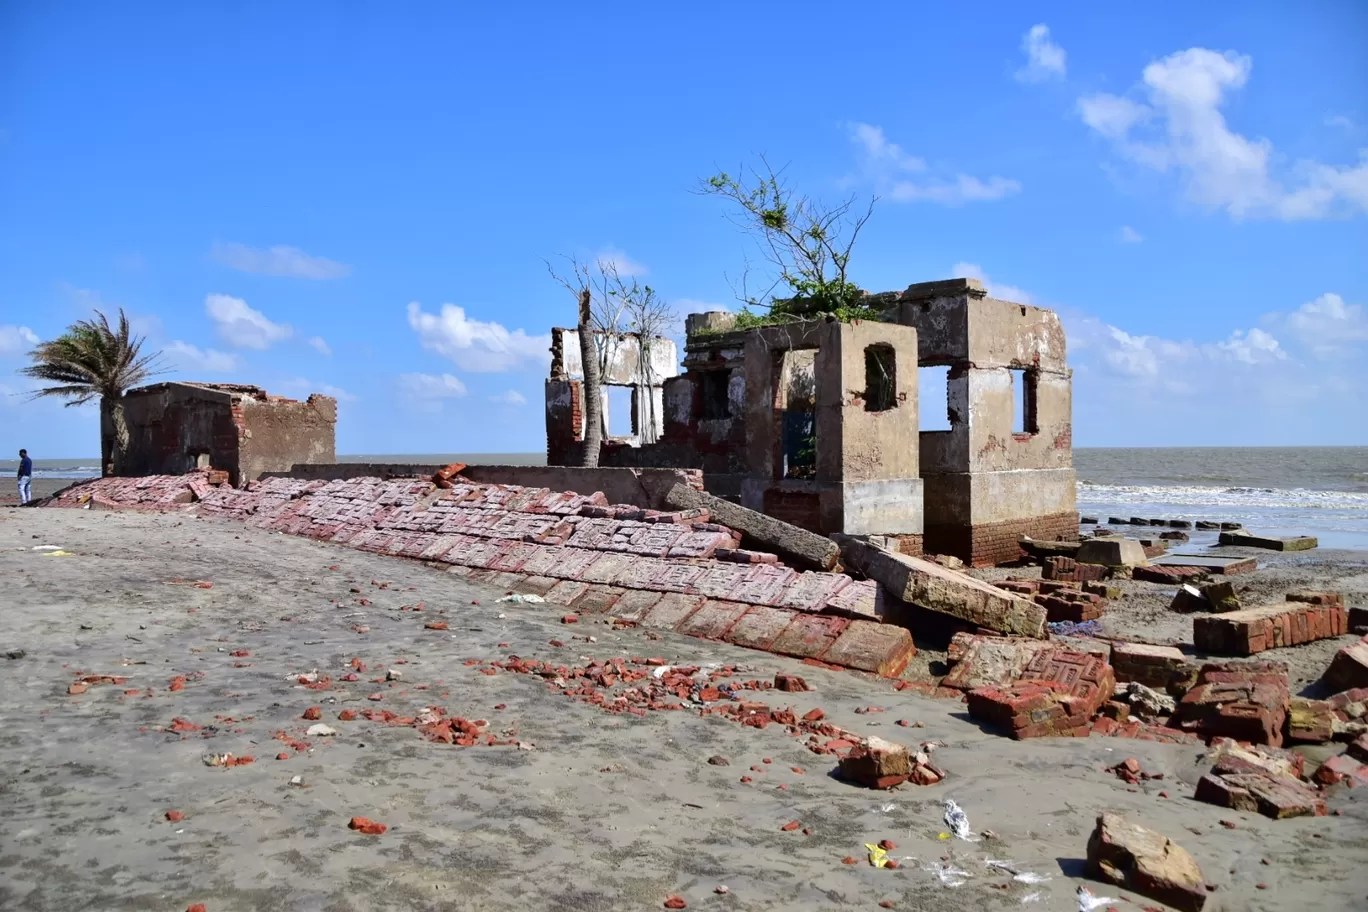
pixel 92 359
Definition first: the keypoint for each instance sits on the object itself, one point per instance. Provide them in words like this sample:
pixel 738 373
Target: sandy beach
pixel 603 812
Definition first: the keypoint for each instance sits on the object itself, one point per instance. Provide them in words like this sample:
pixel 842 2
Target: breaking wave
pixel 1219 497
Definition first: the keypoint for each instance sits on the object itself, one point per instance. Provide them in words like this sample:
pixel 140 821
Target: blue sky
pixel 357 199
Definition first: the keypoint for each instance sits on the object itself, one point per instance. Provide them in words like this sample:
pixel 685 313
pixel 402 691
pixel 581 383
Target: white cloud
pixel 190 358
pixel 1339 121
pixel 626 266
pixel 1044 59
pixel 475 345
pixel 1327 326
pixel 887 166
pixel 878 151
pixel 1112 115
pixel 1183 131
pixel 1252 347
pixel 428 392
pixel 15 340
pixel 320 345
pixel 303 387
pixel 241 326
pixel 996 289
pixel 509 397
pixel 1130 236
pixel 278 261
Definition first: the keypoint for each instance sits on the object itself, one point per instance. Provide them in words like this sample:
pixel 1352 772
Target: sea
pixel 1320 491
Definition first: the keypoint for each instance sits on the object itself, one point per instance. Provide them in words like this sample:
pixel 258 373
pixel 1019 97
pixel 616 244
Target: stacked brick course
pixel 1253 630
pixel 652 567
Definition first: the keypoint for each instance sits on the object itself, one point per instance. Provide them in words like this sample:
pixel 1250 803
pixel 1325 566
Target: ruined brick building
pixel 817 422
pixel 176 427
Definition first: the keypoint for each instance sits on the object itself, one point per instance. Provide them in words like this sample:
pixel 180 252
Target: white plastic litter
pixel 47 547
pixel 321 731
pixel 522 599
pixel 1087 901
pixel 951 877
pixel 958 822
pixel 1031 897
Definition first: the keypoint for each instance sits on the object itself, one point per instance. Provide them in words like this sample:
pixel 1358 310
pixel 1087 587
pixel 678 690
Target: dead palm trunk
pixel 593 396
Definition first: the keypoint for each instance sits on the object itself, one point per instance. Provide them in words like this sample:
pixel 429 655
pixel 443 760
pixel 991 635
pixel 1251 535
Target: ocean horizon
pixel 1321 491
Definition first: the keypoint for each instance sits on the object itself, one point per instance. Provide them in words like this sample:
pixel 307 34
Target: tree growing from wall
pixel 94 360
pixel 612 308
pixel 807 245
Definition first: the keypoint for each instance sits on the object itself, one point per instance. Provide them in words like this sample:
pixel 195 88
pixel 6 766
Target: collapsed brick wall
pixel 996 543
pixel 673 570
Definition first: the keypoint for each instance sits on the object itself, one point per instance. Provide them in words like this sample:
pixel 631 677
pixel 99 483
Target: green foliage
pixel 808 245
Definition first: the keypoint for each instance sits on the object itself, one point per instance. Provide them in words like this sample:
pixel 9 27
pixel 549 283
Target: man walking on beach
pixel 25 478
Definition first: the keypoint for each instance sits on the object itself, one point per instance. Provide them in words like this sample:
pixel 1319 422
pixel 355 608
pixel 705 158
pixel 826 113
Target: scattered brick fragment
pixel 367 826
pixel 175 816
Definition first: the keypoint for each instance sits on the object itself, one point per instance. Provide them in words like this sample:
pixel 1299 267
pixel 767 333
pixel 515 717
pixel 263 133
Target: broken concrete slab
pixel 1147 862
pixel 1223 566
pixel 1349 668
pixel 1039 550
pixel 935 588
pixel 1277 797
pixel 1310 721
pixel 1112 552
pixel 787 541
pixel 983 661
pixel 1244 539
pixel 1164 668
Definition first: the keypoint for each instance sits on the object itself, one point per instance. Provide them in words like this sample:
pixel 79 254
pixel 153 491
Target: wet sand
pixel 608 812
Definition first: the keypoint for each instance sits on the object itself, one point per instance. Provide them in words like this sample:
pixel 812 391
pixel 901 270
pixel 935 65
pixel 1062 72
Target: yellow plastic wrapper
pixel 877 856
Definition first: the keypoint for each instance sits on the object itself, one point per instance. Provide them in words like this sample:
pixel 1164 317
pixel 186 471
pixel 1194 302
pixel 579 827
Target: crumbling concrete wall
pixel 278 433
pixel 1002 470
pixel 863 476
pixel 176 427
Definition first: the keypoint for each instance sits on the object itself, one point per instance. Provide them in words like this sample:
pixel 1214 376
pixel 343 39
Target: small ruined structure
pixel 177 427
pixel 817 422
pixel 627 361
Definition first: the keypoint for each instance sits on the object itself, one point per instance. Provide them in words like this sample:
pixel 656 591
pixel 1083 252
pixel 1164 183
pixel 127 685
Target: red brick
pixel 1342 768
pixel 597 599
pixel 712 620
pixel 1248 702
pixel 882 649
pixel 672 608
pixel 1349 668
pixel 759 627
pixel 809 636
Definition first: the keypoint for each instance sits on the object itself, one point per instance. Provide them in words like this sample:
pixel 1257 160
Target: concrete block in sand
pixel 1289 543
pixel 1112 552
pixel 1146 862
pixel 935 588
pixel 789 542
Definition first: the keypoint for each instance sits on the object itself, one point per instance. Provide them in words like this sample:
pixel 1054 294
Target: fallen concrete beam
pixel 1223 566
pixel 789 542
pixel 935 588
pixel 1247 540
